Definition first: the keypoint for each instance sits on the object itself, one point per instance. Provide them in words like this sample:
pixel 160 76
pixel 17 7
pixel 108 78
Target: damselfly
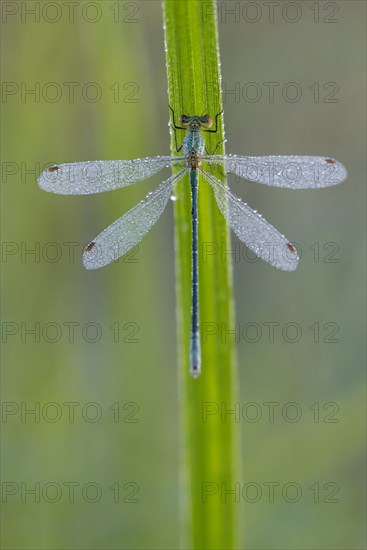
pixel 293 172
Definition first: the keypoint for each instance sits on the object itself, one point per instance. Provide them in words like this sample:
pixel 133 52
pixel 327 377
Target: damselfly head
pixel 195 121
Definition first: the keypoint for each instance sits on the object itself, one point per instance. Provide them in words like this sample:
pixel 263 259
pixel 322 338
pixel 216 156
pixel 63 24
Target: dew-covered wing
pixel 128 230
pixel 292 172
pixel 84 178
pixel 251 228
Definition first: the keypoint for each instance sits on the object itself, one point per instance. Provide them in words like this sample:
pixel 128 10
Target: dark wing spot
pixel 291 248
pixel 53 169
pixel 90 246
pixel 330 161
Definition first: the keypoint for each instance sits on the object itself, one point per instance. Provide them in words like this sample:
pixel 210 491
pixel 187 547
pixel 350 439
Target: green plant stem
pixel 209 438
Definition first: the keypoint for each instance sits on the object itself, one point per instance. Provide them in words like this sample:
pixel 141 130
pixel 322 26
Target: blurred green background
pixel 103 342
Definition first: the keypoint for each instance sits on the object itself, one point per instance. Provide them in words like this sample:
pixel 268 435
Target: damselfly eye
pixel 184 119
pixel 206 121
